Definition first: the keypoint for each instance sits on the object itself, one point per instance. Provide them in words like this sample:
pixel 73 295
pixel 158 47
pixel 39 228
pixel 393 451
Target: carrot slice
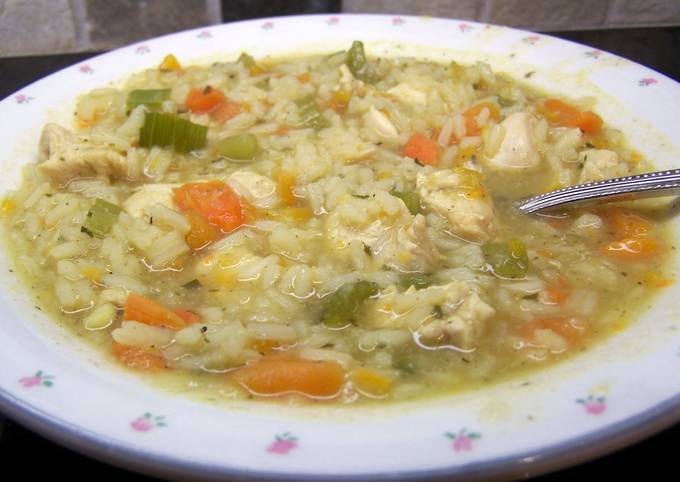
pixel 422 149
pixel 625 223
pixel 281 375
pixel 145 310
pixel 202 101
pixel 571 331
pixel 561 113
pixel 633 249
pixel 202 233
pixel 213 200
pixel 470 116
pixel 189 317
pixel 226 110
pixel 134 357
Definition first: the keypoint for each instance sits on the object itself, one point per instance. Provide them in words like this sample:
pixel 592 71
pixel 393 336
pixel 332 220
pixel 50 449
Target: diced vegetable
pixel 419 281
pixel 249 63
pixel 164 130
pixel 561 113
pixel 285 186
pixel 470 116
pixel 202 233
pixel 137 357
pixel 189 317
pixel 152 98
pixel 470 183
pixel 213 200
pixel 310 114
pixel 169 64
pixel 358 63
pixel 626 223
pixel 282 374
pixel 422 149
pixel 226 111
pixel 571 329
pixel 507 260
pixel 411 200
pixel 101 218
pixel 340 100
pixel 144 310
pixel 633 249
pixel 241 147
pixel 304 78
pixel 203 101
pixel 344 305
pixel 370 383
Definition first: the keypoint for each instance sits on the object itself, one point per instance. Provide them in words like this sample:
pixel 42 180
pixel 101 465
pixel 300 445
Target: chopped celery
pixel 358 63
pixel 170 130
pixel 310 114
pixel 101 218
pixel 247 60
pixel 152 98
pixel 419 281
pixel 241 148
pixel 507 260
pixel 411 199
pixel 345 303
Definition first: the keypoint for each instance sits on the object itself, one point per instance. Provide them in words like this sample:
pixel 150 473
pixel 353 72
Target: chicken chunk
pixel 517 150
pixel 148 196
pixel 64 157
pixel 407 94
pixel 450 314
pixel 385 227
pixel 381 124
pixel 459 197
pixel 260 191
pixel 600 164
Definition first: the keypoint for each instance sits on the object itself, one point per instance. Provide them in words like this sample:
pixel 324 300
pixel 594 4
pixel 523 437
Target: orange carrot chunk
pixel 189 317
pixel 202 101
pixel 561 113
pixel 633 249
pixel 144 310
pixel 202 233
pixel 134 357
pixel 213 200
pixel 226 110
pixel 280 375
pixel 470 116
pixel 422 149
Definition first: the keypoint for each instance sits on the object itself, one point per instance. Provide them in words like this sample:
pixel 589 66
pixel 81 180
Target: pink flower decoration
pixel 398 21
pixel 464 27
pixel 147 422
pixel 37 380
pixel 463 440
pixel 593 54
pixel 593 405
pixel 267 26
pixel 647 81
pixel 204 34
pixel 333 21
pixel 282 444
pixel 22 99
pixel 142 49
pixel 85 69
pixel 531 40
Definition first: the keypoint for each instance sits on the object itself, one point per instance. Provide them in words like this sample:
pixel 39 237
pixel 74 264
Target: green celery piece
pixel 152 98
pixel 101 218
pixel 310 114
pixel 241 148
pixel 411 199
pixel 507 260
pixel 358 63
pixel 419 281
pixel 164 129
pixel 344 304
pixel 247 60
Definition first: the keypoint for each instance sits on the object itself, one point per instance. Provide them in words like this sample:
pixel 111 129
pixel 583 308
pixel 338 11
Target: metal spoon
pixel 652 184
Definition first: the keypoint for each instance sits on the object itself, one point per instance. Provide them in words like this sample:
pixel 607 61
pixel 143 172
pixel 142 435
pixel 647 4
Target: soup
pixel 332 228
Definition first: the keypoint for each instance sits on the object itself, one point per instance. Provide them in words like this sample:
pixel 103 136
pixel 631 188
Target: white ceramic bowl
pixel 620 391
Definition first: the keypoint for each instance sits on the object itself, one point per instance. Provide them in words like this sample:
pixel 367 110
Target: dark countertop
pixel 655 48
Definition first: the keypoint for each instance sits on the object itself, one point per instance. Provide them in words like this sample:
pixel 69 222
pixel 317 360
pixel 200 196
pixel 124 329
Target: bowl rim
pixel 560 455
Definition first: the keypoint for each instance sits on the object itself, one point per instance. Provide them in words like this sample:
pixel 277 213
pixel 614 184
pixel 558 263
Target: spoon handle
pixel 652 184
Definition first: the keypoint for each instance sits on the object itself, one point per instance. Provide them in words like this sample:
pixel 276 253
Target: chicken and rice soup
pixel 331 227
